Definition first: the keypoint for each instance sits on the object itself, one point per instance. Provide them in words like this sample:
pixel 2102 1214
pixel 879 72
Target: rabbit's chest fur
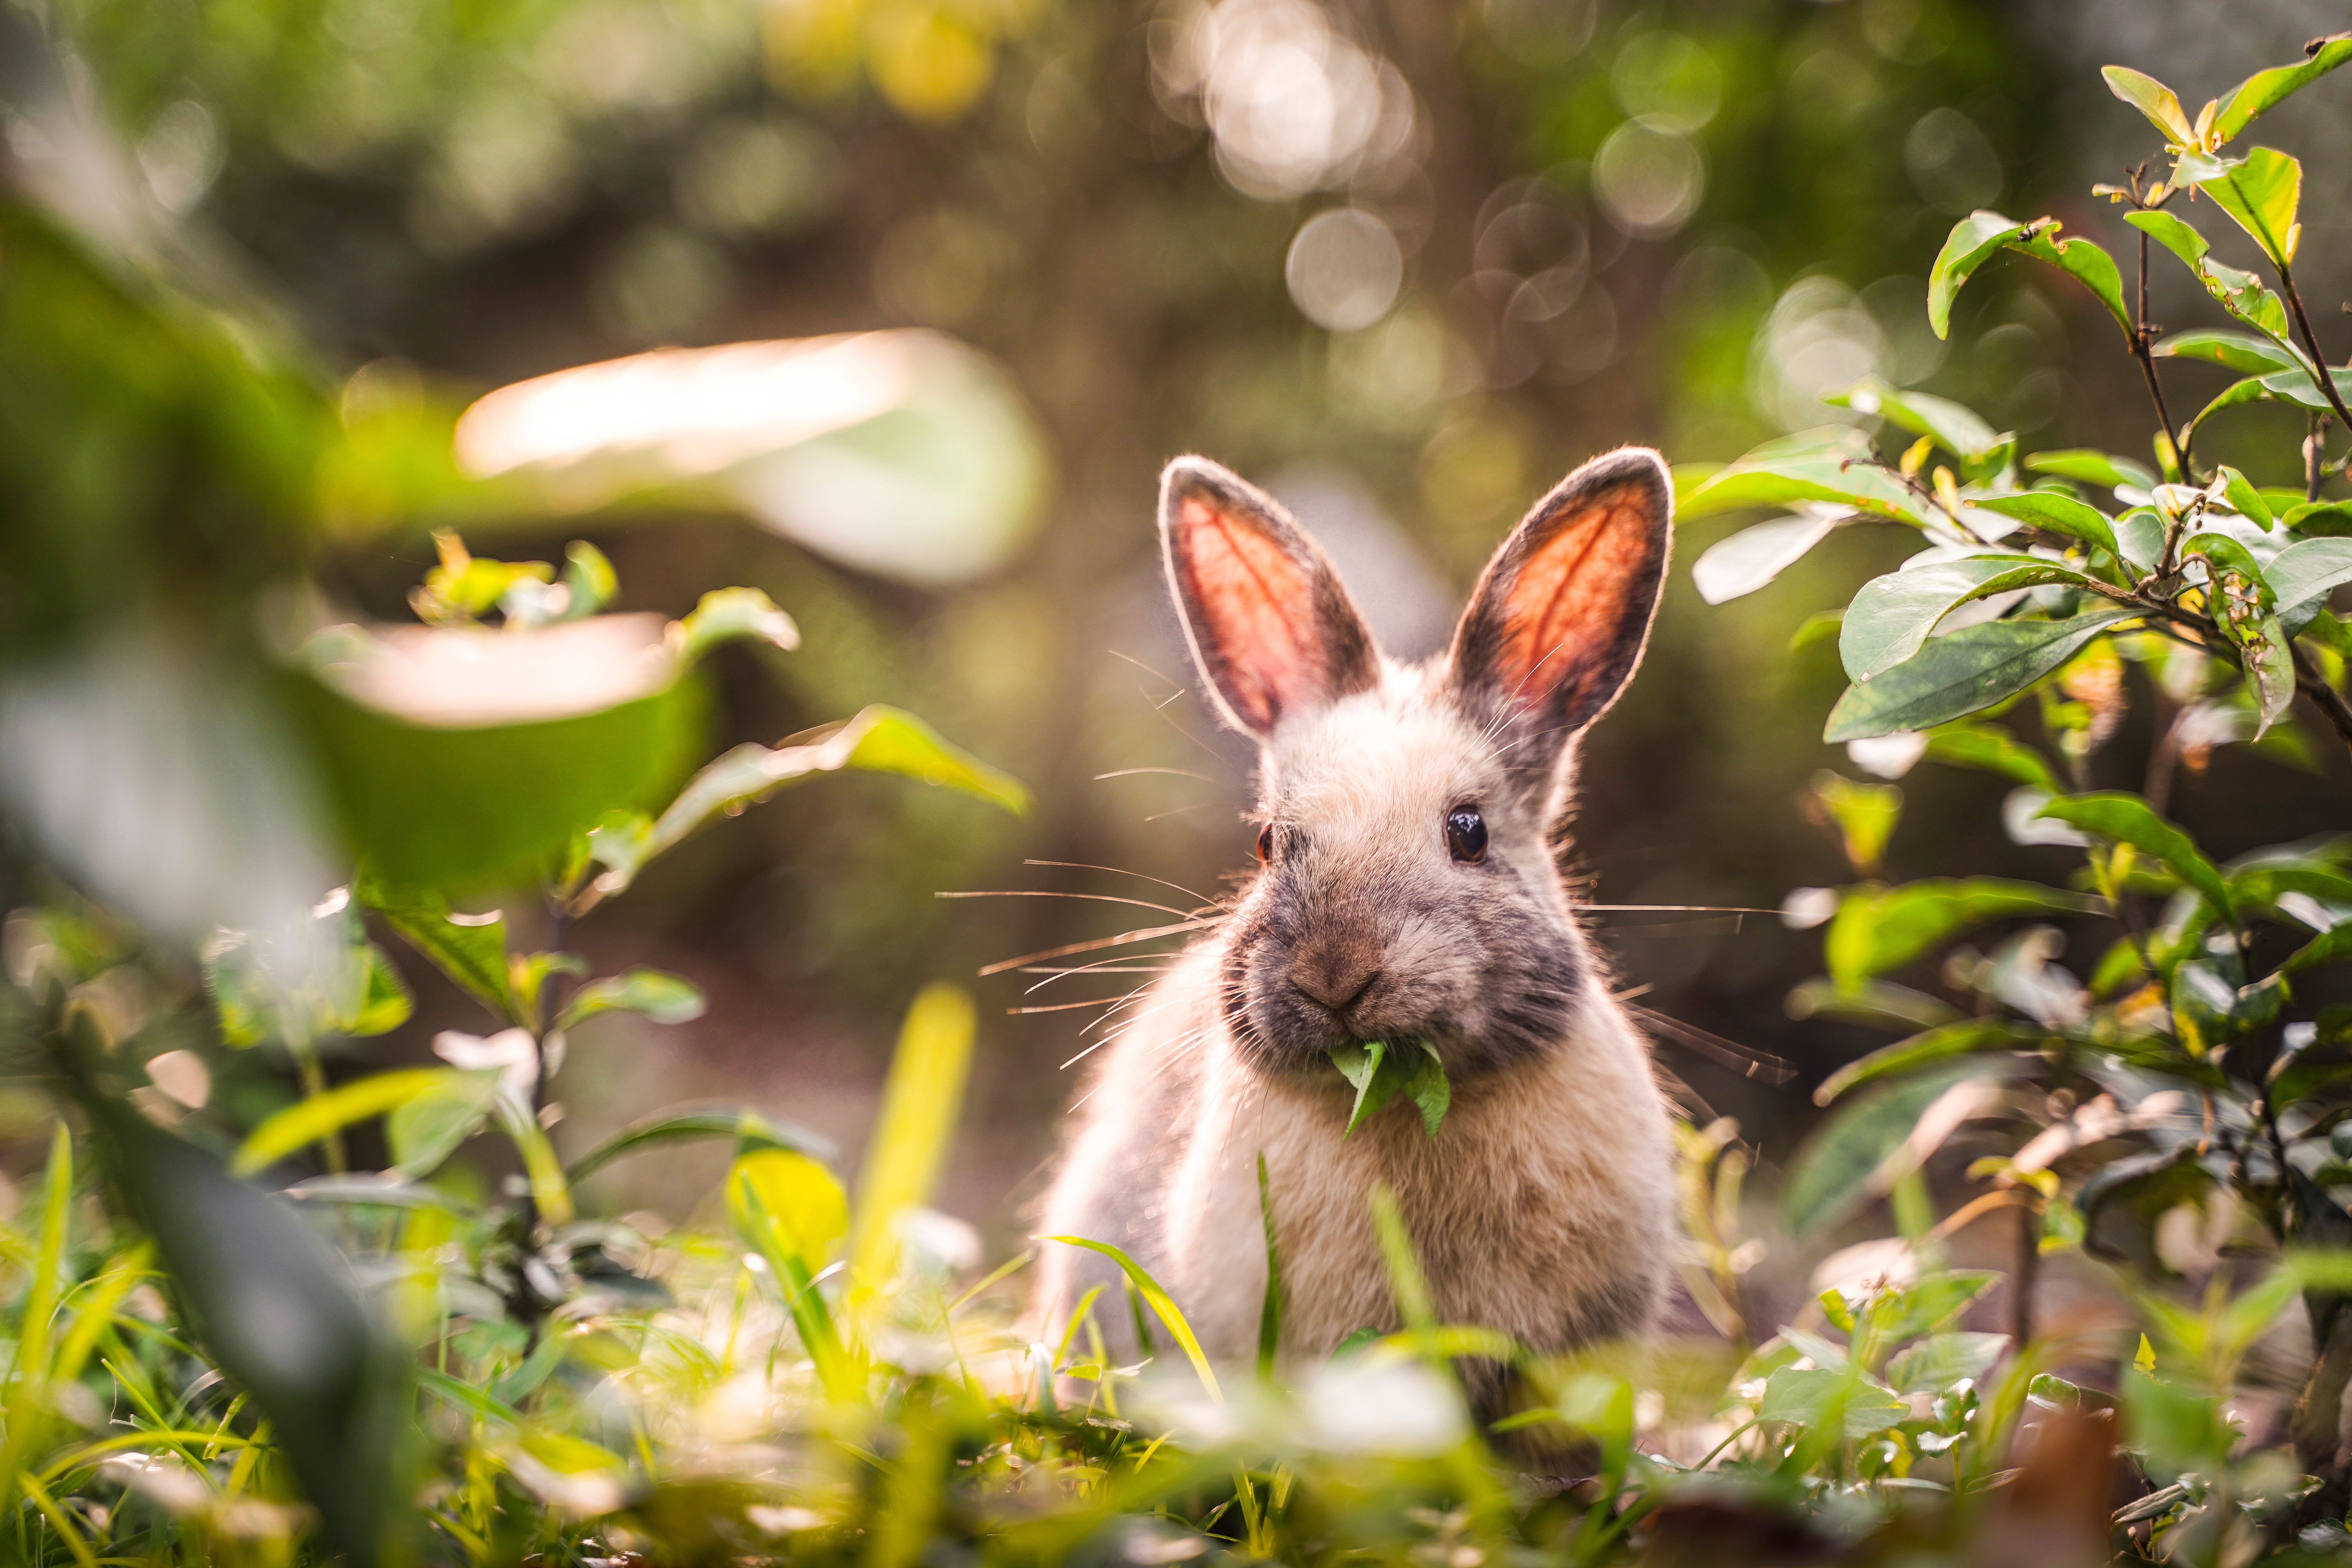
pixel 1543 1207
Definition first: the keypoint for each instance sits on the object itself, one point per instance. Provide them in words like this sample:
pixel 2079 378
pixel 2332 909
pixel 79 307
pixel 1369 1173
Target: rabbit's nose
pixel 1333 981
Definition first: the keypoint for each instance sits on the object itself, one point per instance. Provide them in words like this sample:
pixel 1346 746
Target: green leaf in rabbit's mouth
pixel 1380 1072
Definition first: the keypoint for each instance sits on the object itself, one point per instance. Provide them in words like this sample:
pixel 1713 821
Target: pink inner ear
pixel 1259 606
pixel 1568 598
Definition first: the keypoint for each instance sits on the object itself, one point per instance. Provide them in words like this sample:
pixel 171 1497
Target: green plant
pixel 2199 1069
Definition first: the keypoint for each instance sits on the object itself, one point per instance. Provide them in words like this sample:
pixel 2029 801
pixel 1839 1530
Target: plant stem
pixel 2325 378
pixel 2025 1264
pixel 2140 335
pixel 2326 698
pixel 2311 456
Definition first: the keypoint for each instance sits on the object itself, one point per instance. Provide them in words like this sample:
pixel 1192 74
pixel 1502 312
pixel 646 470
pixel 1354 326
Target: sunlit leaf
pixel 801 1202
pixel 664 998
pixel 750 1131
pixel 1962 432
pixel 2091 466
pixel 1812 1396
pixel 2264 89
pixel 2302 577
pixel 2248 354
pixel 2244 497
pixel 1957 674
pixel 1745 561
pixel 1968 1036
pixel 1877 928
pixel 2262 192
pixel 1970 245
pixel 922 1102
pixel 2055 512
pixel 880 740
pixel 312 1120
pixel 728 614
pixel 1161 1304
pixel 1834 466
pixel 1891 618
pixel 2153 99
pixel 470 949
pixel 427 1129
pixel 2086 262
pixel 2127 819
pixel 1994 751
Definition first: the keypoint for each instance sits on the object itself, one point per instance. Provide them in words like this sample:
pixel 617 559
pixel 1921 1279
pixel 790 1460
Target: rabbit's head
pixel 1408 888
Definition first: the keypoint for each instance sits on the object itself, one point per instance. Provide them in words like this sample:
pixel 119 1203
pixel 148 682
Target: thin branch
pixel 2326 378
pixel 2328 700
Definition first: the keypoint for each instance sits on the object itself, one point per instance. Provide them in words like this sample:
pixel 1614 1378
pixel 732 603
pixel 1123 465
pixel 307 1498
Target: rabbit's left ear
pixel 1557 622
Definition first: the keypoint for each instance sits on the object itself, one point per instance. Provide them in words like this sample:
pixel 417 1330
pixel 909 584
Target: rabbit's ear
pixel 1557 622
pixel 1270 624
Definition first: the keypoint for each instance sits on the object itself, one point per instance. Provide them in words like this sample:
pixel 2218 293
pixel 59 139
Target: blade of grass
pixel 1161 1304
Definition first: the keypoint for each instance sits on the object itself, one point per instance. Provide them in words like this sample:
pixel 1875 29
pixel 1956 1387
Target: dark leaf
pixel 1959 673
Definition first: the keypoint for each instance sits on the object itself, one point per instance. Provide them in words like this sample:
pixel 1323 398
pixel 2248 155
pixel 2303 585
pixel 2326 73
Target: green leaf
pixel 425 1129
pixel 2325 519
pixel 1970 245
pixel 664 998
pixel 1957 674
pixel 750 1129
pixel 1865 815
pixel 588 580
pixel 2264 89
pixel 1960 430
pixel 313 1119
pixel 2270 671
pixel 2244 497
pixel 2328 947
pixel 2127 820
pixel 1380 1074
pixel 1968 1036
pixel 801 1209
pixel 2054 513
pixel 1269 1310
pixel 878 740
pixel 1839 1165
pixel 2245 352
pixel 921 1101
pixel 1928 1303
pixel 1834 464
pixel 469 949
pixel 383 1003
pixel 2153 99
pixel 2303 575
pixel 730 615
pixel 1891 618
pixel 1994 751
pixel 2241 293
pixel 2223 555
pixel 1813 1396
pixel 1878 928
pixel 1162 1305
pixel 1744 561
pixel 2093 467
pixel 2262 192
pixel 1939 1361
pixel 2087 263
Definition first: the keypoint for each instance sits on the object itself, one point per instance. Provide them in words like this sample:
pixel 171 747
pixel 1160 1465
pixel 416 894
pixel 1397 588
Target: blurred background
pixel 1403 262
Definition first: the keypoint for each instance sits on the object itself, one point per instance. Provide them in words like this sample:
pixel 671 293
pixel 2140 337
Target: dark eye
pixel 1465 833
pixel 1265 844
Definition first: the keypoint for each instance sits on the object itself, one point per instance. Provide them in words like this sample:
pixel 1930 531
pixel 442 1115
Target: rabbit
pixel 1411 825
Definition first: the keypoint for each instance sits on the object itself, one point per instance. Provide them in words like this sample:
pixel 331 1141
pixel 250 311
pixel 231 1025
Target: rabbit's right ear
pixel 1271 626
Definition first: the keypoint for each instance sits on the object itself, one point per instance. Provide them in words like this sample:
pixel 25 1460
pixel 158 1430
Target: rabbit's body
pixel 1410 893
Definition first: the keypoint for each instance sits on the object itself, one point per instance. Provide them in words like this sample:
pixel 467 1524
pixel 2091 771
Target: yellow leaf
pixel 919 1108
